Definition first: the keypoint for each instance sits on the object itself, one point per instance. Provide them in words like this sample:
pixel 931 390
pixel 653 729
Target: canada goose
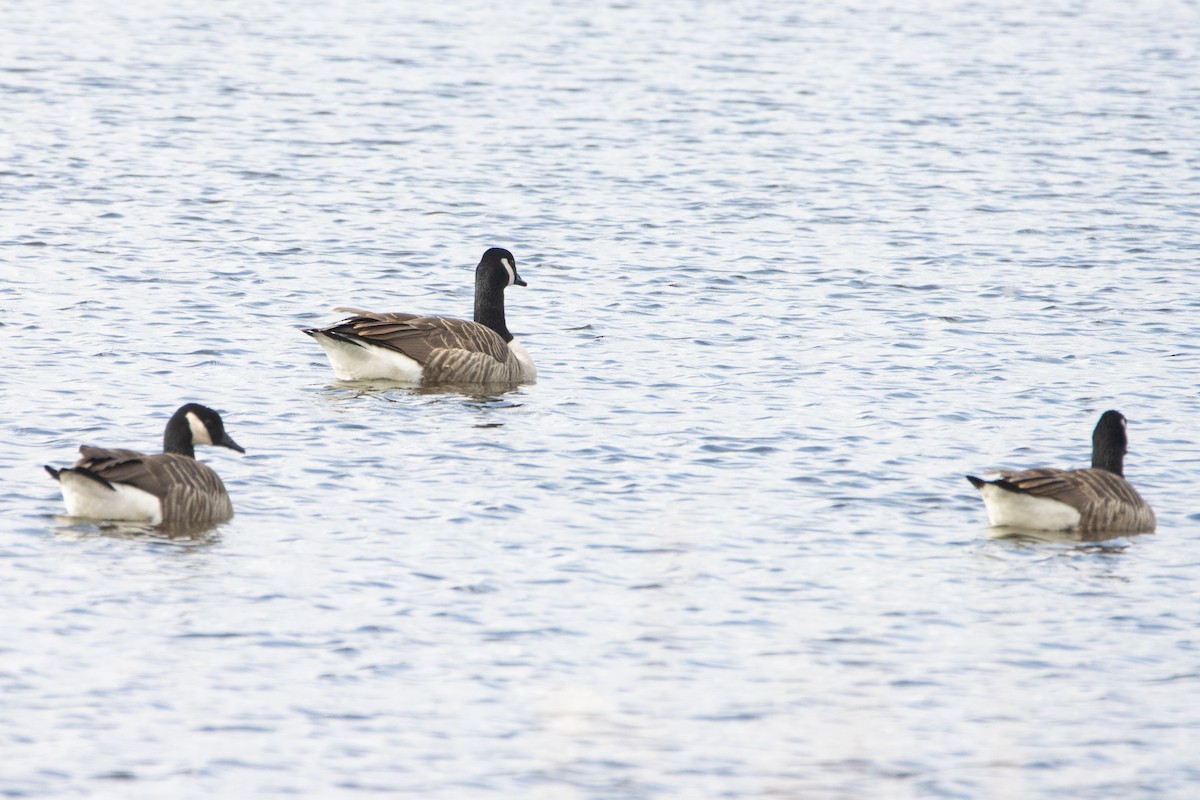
pixel 434 350
pixel 1083 500
pixel 171 488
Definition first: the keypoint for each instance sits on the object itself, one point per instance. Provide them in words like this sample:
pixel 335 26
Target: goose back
pixel 448 350
pixel 1104 500
pixel 187 490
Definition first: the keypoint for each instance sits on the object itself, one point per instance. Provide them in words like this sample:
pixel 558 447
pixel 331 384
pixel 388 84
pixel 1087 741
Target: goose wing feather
pixel 95 458
pixel 189 490
pixel 422 338
pixel 1105 500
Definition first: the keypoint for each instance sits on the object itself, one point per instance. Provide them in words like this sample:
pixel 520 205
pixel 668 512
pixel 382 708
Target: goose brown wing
pixel 1105 500
pixel 188 490
pixel 420 338
pixel 1056 484
pixel 125 466
pixel 96 458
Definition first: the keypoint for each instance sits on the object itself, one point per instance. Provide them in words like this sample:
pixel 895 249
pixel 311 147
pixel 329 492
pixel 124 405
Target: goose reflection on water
pixel 175 534
pixel 1110 540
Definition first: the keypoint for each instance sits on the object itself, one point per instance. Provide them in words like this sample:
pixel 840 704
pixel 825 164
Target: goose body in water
pixel 170 488
pixel 431 351
pixel 1092 500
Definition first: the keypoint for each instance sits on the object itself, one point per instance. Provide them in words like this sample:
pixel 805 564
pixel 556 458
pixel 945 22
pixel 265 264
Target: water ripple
pixel 792 271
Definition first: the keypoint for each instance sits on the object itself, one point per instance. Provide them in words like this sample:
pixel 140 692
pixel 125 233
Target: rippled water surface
pixel 792 272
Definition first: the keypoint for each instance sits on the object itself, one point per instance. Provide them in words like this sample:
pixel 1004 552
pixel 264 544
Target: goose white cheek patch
pixel 199 430
pixel 512 273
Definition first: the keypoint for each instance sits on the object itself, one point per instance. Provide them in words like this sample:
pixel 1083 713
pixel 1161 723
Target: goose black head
pixel 1110 443
pixel 195 424
pixel 499 267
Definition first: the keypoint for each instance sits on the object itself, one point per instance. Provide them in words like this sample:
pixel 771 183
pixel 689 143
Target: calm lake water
pixel 792 272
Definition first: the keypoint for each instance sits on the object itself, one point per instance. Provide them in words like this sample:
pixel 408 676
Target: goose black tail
pixel 87 473
pixel 333 335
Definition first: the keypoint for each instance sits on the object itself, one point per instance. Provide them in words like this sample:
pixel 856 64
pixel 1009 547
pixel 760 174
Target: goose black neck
pixel 178 436
pixel 489 306
pixel 1109 459
pixel 1109 445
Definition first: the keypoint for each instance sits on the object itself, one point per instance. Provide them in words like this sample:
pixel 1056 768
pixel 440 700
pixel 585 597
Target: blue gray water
pixel 792 273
